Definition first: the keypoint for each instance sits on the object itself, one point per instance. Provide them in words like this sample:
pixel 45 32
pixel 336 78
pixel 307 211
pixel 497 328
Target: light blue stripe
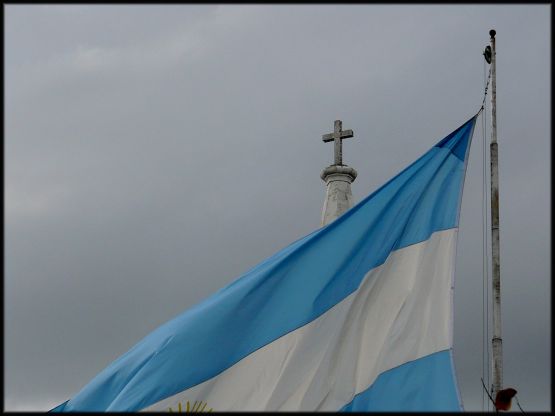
pixel 289 289
pixel 425 384
pixel 59 408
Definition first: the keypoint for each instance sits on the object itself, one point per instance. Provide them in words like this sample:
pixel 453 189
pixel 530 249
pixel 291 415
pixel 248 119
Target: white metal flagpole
pixel 496 341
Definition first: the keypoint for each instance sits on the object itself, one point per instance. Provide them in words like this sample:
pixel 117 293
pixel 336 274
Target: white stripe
pixel 400 312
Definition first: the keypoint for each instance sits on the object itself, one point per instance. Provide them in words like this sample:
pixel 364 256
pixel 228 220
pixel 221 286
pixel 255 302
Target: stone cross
pixel 337 136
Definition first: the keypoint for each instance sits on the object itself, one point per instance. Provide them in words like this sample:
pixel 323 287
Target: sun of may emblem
pixel 196 407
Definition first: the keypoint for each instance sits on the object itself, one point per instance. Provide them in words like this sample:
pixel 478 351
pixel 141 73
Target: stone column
pixel 339 198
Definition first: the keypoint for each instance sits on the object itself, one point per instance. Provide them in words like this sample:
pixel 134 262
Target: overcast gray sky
pixel 154 153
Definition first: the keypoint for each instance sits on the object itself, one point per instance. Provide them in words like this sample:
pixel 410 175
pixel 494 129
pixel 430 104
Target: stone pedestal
pixel 339 198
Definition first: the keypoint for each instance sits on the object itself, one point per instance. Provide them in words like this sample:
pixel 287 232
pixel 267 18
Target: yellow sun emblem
pixel 196 407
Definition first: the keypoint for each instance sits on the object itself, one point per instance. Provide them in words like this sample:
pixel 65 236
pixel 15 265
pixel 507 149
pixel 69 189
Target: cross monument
pixel 338 177
pixel 337 135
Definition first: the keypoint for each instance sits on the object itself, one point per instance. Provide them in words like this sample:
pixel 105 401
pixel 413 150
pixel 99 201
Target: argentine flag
pixel 356 316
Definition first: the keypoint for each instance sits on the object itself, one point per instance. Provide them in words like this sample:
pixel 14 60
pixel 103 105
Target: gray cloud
pixel 154 153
